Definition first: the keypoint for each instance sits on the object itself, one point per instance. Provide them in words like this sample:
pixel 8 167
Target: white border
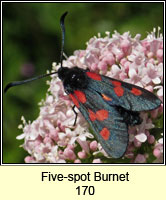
pixel 102 164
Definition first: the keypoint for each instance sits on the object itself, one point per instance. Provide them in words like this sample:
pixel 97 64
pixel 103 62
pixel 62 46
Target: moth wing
pixel 126 95
pixel 107 124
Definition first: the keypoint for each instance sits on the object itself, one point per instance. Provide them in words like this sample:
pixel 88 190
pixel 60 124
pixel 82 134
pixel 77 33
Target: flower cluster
pixel 52 138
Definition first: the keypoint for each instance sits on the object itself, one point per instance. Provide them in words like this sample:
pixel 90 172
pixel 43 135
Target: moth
pixel 108 105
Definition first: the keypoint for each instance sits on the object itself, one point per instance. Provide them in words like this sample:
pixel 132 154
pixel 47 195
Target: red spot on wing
pixel 101 115
pixel 106 97
pixel 119 91
pixel 74 100
pixel 136 91
pixel 92 115
pixel 94 76
pixel 80 95
pixel 105 133
pixel 116 83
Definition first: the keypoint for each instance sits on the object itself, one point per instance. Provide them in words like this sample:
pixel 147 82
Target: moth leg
pixel 73 108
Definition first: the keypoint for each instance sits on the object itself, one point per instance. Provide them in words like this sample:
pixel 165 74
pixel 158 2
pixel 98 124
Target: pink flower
pixel 82 155
pixel 157 152
pixel 141 137
pixel 158 149
pixel 93 145
pixel 69 154
pixel 137 143
pixel 97 161
pixel 52 138
pixel 77 161
pixel 151 139
pixel 29 159
pixel 140 159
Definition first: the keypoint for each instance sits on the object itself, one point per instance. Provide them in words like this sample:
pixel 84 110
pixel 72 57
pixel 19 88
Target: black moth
pixel 109 105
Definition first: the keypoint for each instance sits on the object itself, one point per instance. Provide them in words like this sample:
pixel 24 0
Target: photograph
pixel 82 83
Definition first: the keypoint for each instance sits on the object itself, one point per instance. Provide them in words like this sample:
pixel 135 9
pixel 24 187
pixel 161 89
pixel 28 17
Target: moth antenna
pixel 16 83
pixel 63 35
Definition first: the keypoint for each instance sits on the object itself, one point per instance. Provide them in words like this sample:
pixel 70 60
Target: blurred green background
pixel 32 41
